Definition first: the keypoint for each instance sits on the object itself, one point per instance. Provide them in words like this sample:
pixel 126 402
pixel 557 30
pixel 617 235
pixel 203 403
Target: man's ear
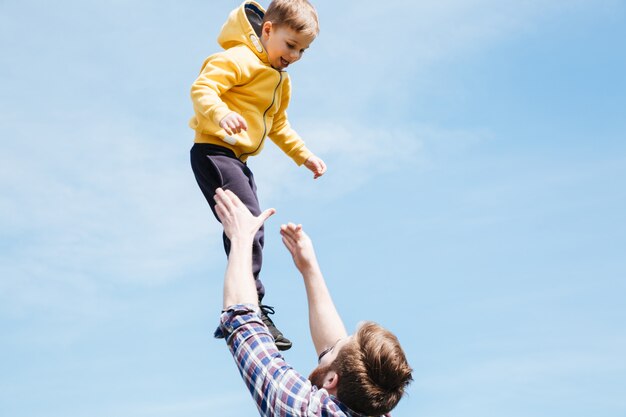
pixel 331 380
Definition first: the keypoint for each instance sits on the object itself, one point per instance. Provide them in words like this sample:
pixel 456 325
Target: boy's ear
pixel 266 29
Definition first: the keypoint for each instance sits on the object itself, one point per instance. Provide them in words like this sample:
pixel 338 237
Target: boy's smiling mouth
pixel 283 62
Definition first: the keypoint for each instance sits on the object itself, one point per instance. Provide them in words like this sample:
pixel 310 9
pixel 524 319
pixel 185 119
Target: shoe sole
pixel 283 345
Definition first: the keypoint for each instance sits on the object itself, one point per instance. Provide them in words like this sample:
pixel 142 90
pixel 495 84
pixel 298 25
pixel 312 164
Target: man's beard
pixel 318 374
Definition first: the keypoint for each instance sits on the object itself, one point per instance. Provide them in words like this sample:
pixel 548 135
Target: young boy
pixel 240 98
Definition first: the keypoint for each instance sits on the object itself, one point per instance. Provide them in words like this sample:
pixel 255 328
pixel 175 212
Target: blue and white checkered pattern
pixel 277 389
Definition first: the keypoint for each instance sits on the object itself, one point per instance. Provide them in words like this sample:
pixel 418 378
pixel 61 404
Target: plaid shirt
pixel 277 389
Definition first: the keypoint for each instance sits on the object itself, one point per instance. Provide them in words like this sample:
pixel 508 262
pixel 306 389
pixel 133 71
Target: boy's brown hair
pixel 299 15
pixel 373 371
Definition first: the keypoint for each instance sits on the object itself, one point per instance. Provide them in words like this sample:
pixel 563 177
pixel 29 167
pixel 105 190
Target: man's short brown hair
pixel 373 371
pixel 299 15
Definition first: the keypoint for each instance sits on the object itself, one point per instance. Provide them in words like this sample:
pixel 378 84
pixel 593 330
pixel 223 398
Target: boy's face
pixel 284 45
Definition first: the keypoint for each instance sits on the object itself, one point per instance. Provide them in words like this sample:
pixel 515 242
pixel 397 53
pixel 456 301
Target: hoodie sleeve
pixel 282 133
pixel 219 73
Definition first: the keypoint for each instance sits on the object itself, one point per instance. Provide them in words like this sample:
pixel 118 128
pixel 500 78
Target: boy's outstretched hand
pixel 237 220
pixel 315 165
pixel 233 123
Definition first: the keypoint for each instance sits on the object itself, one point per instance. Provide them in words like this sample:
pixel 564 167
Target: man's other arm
pixel 324 320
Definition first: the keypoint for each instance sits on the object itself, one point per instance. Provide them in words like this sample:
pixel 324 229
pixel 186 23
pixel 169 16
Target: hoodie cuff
pixel 301 155
pixel 219 113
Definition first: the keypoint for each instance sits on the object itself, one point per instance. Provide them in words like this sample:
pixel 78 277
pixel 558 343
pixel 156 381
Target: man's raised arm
pixel 240 227
pixel 324 320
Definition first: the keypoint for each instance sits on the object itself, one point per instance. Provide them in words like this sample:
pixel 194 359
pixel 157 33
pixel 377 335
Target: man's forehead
pixel 333 350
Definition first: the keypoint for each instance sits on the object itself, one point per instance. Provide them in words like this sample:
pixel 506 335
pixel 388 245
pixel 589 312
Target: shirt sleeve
pixel 283 135
pixel 219 73
pixel 277 389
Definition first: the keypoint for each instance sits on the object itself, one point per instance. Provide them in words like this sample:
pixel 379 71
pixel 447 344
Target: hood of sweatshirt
pixel 243 26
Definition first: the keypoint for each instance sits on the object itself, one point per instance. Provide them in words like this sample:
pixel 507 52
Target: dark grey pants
pixel 215 166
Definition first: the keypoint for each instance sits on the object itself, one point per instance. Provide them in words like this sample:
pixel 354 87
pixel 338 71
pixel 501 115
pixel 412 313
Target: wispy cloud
pixel 383 55
pixel 224 404
pixel 518 384
pixel 528 369
pixel 96 206
pixel 355 154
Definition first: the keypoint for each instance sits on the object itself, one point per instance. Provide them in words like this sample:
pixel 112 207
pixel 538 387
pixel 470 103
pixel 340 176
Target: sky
pixel 474 204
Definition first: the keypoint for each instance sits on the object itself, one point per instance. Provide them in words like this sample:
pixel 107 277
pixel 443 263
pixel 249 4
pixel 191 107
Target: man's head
pixel 289 27
pixel 367 371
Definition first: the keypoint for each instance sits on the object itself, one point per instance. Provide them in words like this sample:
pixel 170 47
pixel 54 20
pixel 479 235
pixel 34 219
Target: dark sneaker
pixel 282 343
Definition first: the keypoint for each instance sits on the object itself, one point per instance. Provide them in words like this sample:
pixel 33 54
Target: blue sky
pixel 474 204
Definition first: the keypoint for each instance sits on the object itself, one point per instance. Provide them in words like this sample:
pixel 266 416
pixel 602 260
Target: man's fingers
pixel 266 215
pixel 228 198
pixel 296 227
pixel 292 231
pixel 225 197
pixel 221 212
pixel 232 197
pixel 221 196
pixel 289 244
pixel 286 231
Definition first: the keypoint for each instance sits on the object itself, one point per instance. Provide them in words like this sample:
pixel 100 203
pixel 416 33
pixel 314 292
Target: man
pixel 364 374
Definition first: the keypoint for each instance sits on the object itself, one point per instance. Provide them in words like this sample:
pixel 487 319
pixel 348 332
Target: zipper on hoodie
pixel 280 79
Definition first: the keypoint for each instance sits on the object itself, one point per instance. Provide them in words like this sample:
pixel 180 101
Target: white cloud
pixel 516 384
pixel 527 369
pixel 383 55
pixel 91 202
pixel 94 207
pixel 225 404
pixel 355 154
pixel 431 31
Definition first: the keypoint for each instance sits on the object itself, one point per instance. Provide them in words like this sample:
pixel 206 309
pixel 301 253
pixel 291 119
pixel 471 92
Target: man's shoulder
pixel 322 403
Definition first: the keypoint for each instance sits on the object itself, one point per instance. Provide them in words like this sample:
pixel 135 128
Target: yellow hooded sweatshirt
pixel 241 79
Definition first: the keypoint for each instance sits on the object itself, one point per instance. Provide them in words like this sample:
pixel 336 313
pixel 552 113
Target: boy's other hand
pixel 233 123
pixel 315 165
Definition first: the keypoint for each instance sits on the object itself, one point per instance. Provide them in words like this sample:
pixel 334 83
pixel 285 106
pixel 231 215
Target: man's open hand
pixel 299 245
pixel 237 220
